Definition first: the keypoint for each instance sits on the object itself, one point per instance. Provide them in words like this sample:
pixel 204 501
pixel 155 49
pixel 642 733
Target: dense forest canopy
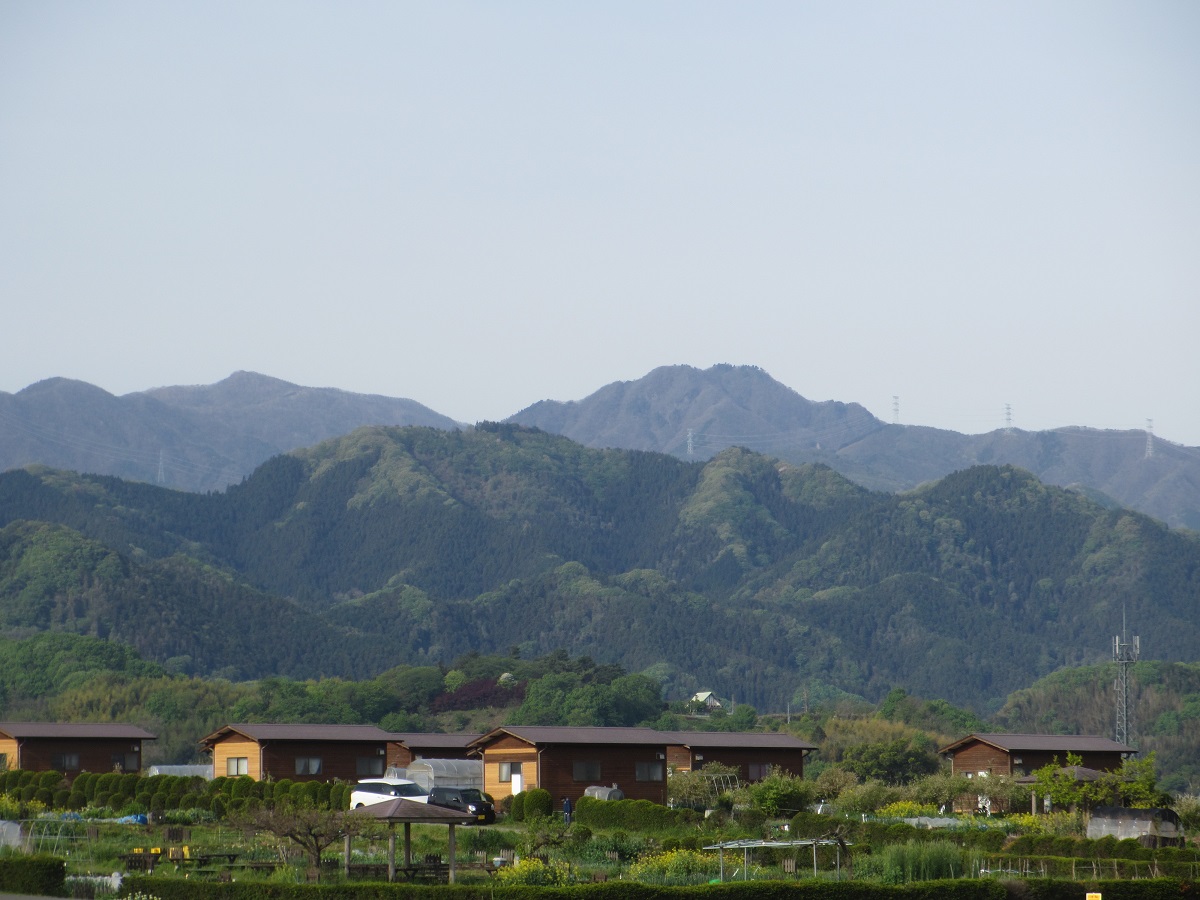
pixel 764 581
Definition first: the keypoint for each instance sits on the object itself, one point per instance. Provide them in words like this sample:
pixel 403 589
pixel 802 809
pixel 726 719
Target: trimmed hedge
pixel 959 889
pixel 44 876
pixel 962 889
pixel 633 815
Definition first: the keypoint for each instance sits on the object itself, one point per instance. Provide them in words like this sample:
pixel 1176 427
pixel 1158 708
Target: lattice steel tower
pixel 1124 653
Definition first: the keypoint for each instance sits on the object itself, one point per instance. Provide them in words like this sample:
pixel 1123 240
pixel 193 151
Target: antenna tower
pixel 1124 653
pixel 895 409
pixel 162 478
pixel 1008 417
pixel 1149 438
pixel 691 446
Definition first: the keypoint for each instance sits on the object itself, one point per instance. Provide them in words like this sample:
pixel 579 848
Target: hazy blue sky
pixel 481 205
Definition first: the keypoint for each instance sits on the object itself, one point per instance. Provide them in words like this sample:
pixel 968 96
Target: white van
pixel 376 790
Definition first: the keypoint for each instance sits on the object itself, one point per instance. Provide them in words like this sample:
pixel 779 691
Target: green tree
pixel 897 761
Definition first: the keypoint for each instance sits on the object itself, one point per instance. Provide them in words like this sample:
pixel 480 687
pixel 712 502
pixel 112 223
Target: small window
pixel 237 765
pixel 308 765
pixel 64 762
pixel 125 762
pixel 758 771
pixel 583 770
pixel 649 771
pixel 508 770
pixel 368 766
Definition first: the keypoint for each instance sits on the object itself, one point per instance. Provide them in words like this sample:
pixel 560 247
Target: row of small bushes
pixel 130 792
pixel 1074 867
pixel 807 825
pixel 958 889
pixel 1107 847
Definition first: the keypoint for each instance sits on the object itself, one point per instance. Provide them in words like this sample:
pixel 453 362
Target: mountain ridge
pixel 208 437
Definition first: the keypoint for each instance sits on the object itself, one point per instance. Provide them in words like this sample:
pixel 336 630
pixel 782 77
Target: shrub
pixel 534 871
pixel 538 802
pixel 907 809
pixel 807 825
pixel 517 807
pixel 781 793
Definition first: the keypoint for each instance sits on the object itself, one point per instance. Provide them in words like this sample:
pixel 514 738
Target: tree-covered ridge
pixel 1164 710
pixel 742 574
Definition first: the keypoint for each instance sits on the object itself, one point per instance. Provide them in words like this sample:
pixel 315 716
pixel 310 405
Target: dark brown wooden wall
pixel 95 754
pixel 338 758
pixel 617 766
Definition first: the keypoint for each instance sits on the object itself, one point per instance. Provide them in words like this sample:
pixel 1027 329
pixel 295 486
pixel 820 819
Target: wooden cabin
pixel 72 747
pixel 566 761
pixel 1022 754
pixel 753 754
pixel 1019 755
pixel 299 752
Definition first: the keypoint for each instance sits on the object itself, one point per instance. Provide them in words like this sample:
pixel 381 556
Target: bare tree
pixel 313 830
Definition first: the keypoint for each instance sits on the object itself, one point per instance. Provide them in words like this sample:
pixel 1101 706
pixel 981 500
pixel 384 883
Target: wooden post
pixel 452 848
pixel 391 851
pixel 346 856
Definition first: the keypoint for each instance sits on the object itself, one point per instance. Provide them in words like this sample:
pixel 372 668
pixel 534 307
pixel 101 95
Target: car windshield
pixel 407 790
pixel 472 796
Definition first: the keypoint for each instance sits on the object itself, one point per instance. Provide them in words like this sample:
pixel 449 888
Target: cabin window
pixel 369 766
pixel 508 770
pixel 308 765
pixel 649 771
pixel 584 770
pixel 758 771
pixel 237 765
pixel 125 762
pixel 64 762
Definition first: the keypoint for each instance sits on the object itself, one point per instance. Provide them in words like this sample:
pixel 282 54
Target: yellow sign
pixel 1095 896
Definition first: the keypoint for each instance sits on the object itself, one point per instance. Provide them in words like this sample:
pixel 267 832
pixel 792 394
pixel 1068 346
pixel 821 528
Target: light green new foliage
pixel 676 867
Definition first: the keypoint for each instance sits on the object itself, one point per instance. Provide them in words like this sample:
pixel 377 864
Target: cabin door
pixel 518 782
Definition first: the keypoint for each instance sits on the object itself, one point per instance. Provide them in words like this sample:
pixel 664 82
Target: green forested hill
pixel 743 575
pixel 1164 711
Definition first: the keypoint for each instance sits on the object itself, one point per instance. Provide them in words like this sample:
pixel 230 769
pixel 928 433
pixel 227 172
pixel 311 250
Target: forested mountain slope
pixel 742 574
